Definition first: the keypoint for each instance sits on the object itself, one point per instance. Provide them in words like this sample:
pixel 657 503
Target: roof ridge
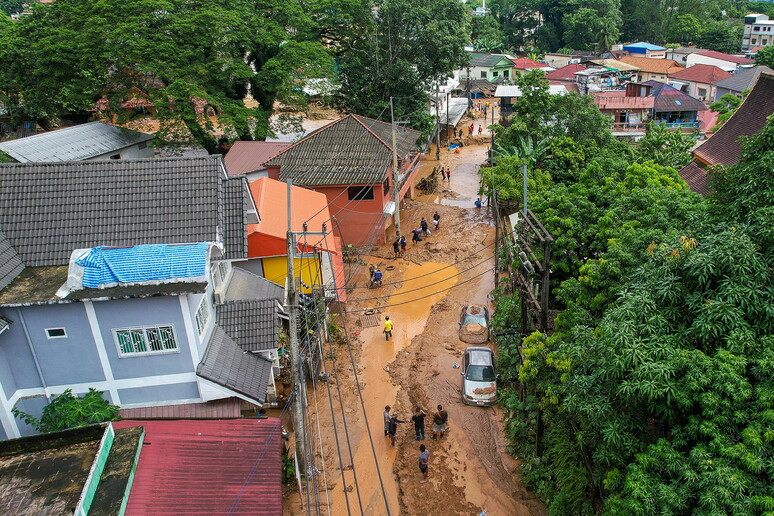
pixel 313 133
pixel 357 119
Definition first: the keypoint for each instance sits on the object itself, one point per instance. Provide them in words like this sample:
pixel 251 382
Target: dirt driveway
pixel 470 470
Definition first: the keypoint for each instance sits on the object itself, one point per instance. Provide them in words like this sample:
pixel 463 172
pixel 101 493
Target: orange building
pixel 318 263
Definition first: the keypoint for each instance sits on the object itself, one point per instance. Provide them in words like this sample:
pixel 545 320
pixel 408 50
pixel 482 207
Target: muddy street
pixel 423 294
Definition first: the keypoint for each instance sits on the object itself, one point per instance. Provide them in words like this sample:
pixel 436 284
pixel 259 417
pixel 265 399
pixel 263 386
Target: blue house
pixel 119 275
pixel 644 49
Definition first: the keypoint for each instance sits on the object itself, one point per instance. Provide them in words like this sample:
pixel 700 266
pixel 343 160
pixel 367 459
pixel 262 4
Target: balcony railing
pixel 695 124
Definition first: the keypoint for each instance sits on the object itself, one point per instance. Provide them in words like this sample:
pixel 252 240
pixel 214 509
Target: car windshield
pixel 479 373
pixel 475 319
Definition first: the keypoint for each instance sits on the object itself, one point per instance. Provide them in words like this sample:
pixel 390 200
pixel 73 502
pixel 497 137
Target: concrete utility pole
pixel 437 126
pixel 395 185
pixel 296 367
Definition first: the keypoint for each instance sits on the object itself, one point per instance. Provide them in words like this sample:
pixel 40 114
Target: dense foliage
pixel 655 393
pixel 69 411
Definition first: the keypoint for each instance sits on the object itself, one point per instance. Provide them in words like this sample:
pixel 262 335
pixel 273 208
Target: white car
pixel 474 324
pixel 479 380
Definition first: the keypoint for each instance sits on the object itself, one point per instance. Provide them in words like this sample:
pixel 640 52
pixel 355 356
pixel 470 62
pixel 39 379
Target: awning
pixel 457 108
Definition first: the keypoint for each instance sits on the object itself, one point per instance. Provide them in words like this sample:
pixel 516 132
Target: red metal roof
pixel 208 467
pixel 565 73
pixel 216 409
pixel 525 63
pixel 705 74
pixel 725 57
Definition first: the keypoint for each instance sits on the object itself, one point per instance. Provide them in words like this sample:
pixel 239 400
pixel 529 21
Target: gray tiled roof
pixel 352 150
pixel 226 364
pixel 73 143
pixel 10 263
pixel 245 285
pixel 49 209
pixel 252 324
pixel 743 79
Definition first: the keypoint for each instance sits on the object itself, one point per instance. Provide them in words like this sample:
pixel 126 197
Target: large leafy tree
pixel 665 147
pixel 399 52
pixel 765 56
pixel 193 62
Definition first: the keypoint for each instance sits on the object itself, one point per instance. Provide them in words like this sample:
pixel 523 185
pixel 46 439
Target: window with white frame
pixel 146 340
pixel 203 314
pixel 223 267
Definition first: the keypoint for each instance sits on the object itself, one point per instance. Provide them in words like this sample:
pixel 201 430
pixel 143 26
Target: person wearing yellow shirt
pixel 387 328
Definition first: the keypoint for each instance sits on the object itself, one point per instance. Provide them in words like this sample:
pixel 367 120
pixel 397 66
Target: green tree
pixel 725 106
pixel 722 36
pixel 69 411
pixel 765 56
pixel 686 29
pixel 665 147
pixel 11 6
pixel 398 52
pixel 194 62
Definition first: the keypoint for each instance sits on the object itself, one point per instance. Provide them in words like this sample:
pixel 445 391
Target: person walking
pixel 396 247
pixel 436 220
pixel 416 238
pixel 471 128
pixel 393 430
pixel 419 423
pixel 439 422
pixel 448 174
pixel 480 129
pixel 387 328
pixel 424 459
pixel 402 244
pixel 423 225
pixel 387 420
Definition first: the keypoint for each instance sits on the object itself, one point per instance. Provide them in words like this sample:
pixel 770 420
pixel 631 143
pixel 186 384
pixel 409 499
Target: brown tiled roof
pixel 623 102
pixel 725 57
pixel 246 157
pixel 705 74
pixel 565 73
pixel 653 65
pixel 352 150
pixel 724 146
pixel 696 177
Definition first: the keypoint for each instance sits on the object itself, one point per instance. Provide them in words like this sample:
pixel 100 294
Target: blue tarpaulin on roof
pixel 141 263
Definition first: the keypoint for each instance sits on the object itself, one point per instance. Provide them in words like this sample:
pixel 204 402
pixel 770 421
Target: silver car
pixel 474 324
pixel 479 381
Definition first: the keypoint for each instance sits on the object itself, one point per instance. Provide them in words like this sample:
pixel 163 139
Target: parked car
pixel 474 324
pixel 479 380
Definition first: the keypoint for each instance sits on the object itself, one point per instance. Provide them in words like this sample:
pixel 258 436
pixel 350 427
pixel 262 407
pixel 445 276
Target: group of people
pixel 439 428
pixel 424 228
pixel 445 174
pixel 375 276
pixel 399 246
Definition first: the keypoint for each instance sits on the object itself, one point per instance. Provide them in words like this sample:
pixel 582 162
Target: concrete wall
pixel 255 266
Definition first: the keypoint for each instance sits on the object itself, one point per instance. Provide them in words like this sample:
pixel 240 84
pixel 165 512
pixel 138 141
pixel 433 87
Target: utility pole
pixel 437 126
pixel 296 367
pixel 524 176
pixel 448 122
pixel 395 185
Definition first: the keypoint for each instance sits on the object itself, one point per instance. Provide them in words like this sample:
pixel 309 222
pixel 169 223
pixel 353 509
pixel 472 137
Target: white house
pixel 758 31
pixel 723 61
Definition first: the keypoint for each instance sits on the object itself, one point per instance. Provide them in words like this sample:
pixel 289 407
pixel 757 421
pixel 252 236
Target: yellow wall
pixel 308 269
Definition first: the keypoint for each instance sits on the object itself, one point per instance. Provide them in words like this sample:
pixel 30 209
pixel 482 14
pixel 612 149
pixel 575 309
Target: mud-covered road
pixel 469 469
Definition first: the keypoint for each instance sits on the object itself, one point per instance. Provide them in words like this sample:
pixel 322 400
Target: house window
pixel 702 93
pixel 203 314
pixel 505 73
pixel 754 41
pixel 495 74
pixel 115 156
pixel 223 268
pixel 483 75
pixel 360 193
pixel 56 333
pixel 148 340
pixel 386 186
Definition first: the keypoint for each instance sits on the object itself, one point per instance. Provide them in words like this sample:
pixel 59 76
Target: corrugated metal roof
pixel 208 467
pixel 246 157
pixel 565 72
pixel 705 74
pixel 644 45
pixel 225 408
pixel 669 99
pixel 726 57
pixel 744 79
pixel 73 143
pixel 457 108
pixel 352 150
pixel 226 364
pixel 487 60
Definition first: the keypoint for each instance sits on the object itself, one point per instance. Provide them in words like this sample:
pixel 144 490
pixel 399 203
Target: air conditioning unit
pixel 219 296
pixel 574 61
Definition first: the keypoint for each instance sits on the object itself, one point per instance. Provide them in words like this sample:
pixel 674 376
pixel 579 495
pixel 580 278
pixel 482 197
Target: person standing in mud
pixel 396 248
pixel 448 174
pixel 402 244
pixel 424 459
pixel 419 423
pixel 393 430
pixel 439 422
pixel 423 225
pixel 387 328
pixel 387 420
pixel 436 220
